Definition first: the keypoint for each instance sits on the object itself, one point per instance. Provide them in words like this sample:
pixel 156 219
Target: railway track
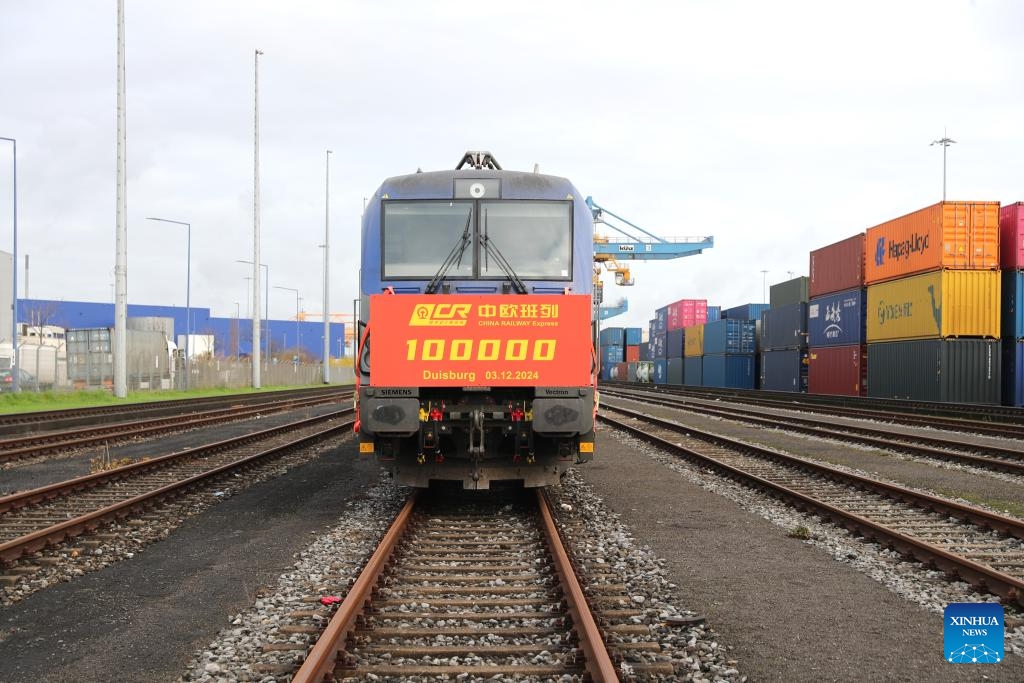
pixel 40 443
pixel 987 456
pixel 33 520
pixel 999 421
pixel 985 549
pixel 485 591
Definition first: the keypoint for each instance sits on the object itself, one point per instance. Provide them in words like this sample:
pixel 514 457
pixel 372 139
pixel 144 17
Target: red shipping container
pixel 632 354
pixel 837 370
pixel 838 266
pixel 686 313
pixel 1011 236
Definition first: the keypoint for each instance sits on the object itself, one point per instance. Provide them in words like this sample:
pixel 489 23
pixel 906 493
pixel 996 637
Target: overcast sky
pixel 777 127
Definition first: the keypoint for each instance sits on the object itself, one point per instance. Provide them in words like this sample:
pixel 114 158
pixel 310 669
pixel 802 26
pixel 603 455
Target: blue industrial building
pixel 232 336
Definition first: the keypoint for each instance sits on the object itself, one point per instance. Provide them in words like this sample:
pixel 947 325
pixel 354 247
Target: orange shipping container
pixel 632 354
pixel 947 235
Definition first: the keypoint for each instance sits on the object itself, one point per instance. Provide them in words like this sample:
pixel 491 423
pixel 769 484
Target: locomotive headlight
pixel 477 190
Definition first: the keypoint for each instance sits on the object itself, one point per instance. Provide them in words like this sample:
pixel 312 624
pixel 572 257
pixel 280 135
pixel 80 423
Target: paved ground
pixel 790 611
pixel 141 620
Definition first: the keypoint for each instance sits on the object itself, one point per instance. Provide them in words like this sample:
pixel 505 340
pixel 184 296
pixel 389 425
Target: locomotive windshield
pixel 534 237
pixel 418 236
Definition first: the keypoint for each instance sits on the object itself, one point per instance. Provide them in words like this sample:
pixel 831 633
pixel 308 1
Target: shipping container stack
pixel 1011 258
pixel 657 344
pixel 681 315
pixel 784 337
pixel 729 348
pixel 836 332
pixel 613 354
pixel 632 336
pixel 693 356
pixel 933 287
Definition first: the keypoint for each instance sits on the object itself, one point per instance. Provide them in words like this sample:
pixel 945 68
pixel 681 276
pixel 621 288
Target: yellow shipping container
pixel 693 342
pixel 939 304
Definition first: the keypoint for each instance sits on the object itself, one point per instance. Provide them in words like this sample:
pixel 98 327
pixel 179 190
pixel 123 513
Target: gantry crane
pixel 613 252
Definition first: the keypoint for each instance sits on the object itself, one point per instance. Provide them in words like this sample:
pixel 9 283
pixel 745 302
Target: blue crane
pixel 612 252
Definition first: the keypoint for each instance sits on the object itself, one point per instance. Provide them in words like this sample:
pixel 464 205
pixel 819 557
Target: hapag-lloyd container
pixel 940 304
pixel 837 319
pixel 837 267
pixel 1011 235
pixel 951 235
pixel 944 370
pixel 1013 304
pixel 837 370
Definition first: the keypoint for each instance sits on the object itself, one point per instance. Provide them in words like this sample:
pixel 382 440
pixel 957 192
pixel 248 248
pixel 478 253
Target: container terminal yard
pixel 480 416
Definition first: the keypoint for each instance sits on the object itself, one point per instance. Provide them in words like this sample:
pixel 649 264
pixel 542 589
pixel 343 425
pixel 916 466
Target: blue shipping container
pixel 784 327
pixel 658 346
pixel 675 371
pixel 729 370
pixel 613 336
pixel 661 319
pixel 674 340
pixel 714 313
pixel 838 319
pixel 693 371
pixel 730 336
pixel 1013 373
pixel 634 336
pixel 660 371
pixel 610 355
pixel 745 312
pixel 784 370
pixel 1013 304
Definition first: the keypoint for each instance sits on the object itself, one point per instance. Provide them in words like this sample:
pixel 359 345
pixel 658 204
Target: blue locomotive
pixel 476 360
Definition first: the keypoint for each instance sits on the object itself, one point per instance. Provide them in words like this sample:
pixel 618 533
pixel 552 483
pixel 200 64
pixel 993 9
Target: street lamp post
pixel 188 294
pixel 15 385
pixel 292 289
pixel 764 286
pixel 266 304
pixel 327 277
pixel 945 142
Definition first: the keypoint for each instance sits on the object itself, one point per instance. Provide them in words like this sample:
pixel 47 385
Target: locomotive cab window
pixel 535 237
pixel 419 235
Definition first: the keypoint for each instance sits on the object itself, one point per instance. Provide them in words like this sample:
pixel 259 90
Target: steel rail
pixel 931 447
pixel 1001 584
pixel 598 662
pixel 963 414
pixel 321 660
pixel 43 443
pixel 42 538
pixel 11 423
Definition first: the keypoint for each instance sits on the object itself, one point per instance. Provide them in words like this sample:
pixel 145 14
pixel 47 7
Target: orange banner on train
pixel 480 340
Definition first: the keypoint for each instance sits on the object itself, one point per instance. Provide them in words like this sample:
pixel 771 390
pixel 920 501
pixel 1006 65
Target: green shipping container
pixel 935 305
pixel 790 292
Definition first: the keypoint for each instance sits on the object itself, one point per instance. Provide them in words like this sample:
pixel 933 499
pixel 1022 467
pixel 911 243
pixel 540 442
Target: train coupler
pixel 522 433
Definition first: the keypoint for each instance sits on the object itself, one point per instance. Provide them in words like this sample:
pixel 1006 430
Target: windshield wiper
pixel 454 258
pixel 499 258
